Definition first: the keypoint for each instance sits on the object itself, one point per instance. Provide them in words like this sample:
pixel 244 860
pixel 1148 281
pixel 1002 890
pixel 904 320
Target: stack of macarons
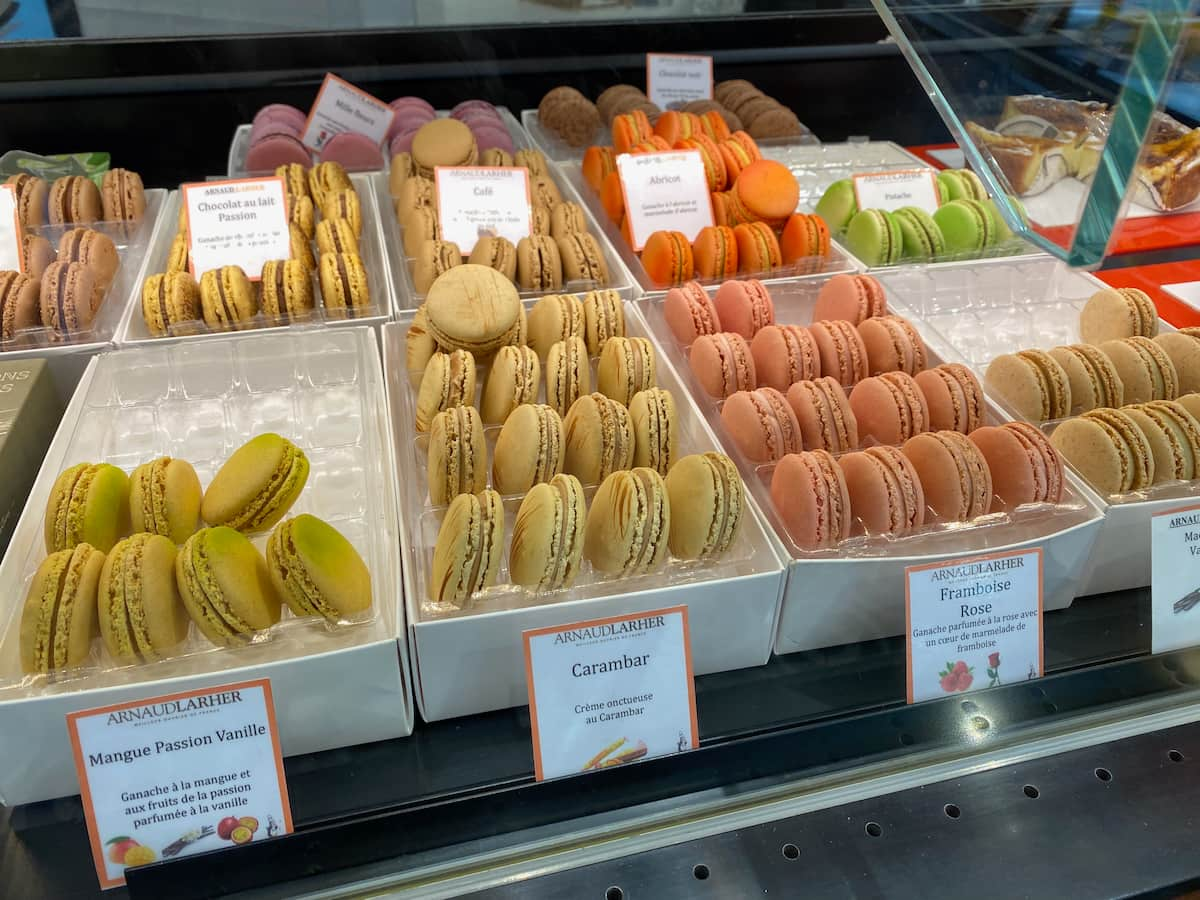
pixel 477 120
pixel 60 291
pixel 174 302
pixel 934 477
pixel 573 402
pixel 965 225
pixel 138 557
pixel 560 250
pixel 77 200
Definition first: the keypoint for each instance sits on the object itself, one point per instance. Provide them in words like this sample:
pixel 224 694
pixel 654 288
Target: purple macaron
pixel 407 121
pixel 468 105
pixel 400 104
pixel 282 114
pixel 274 150
pixel 402 143
pixel 489 136
pixel 356 152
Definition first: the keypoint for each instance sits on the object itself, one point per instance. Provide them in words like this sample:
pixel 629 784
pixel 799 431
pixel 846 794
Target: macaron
pixel 598 163
pixel 715 172
pixel 543 190
pixel 808 491
pixel 326 179
pixel 1093 377
pixel 966 227
pixel 95 250
pixel 758 248
pixel 715 253
pixel 344 204
pixel 317 571
pixel 1025 467
pixel 457 456
pixel 539 264
pixel 74 199
pixel 272 149
pixel 295 181
pixel 707 501
pixel 300 247
pixel 852 298
pixel 581 258
pixel 1031 383
pixel 954 476
pixel 1170 444
pixel 122 196
pixel 89 504
pixel 355 151
pixel 1191 402
pixel 886 497
pixel 1145 369
pixel 226 297
pixel 667 258
pixel 513 379
pixel 443 142
pixel 1184 352
pixel 843 354
pixel 762 424
pixel 225 585
pixel 628 523
pixel 893 345
pixel 433 260
pixel 164 498
pixel 603 319
pixel 36 254
pixel 627 365
pixel 744 306
pixel 473 308
pixel 783 355
pixel 548 535
pixel 178 258
pixel 141 614
pixel 689 312
pixel 286 289
pixel 767 189
pixel 873 235
pixel 920 238
pixel 335 236
pixel 419 346
pixel 1112 314
pixel 448 380
pixel 655 429
pixel 954 397
pixel 470 542
pixel 838 205
pixel 33 194
pixel 568 373
pixel 19 296
pixel 737 151
pixel 826 419
pixel 889 408
pixel 68 297
pixel 58 618
pixel 599 438
pixel 302 214
pixel 723 364
pixel 804 243
pixel 169 299
pixel 257 485
pixel 567 218
pixel 529 449
pixel 345 290
pixel 554 318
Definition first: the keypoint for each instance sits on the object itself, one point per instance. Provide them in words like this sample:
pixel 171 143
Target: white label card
pixel 1175 579
pixel 242 222
pixel 891 190
pixel 665 192
pixel 339 107
pixel 673 80
pixel 482 201
pixel 10 230
pixel 610 691
pixel 179 774
pixel 973 623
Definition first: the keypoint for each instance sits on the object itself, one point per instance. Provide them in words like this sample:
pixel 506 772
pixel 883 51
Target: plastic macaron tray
pixel 976 313
pixel 485 631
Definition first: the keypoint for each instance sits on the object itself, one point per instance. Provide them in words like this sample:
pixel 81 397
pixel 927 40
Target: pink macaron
pixel 689 312
pixel 889 408
pixel 762 424
pixel 954 475
pixel 495 136
pixel 402 143
pixel 893 345
pixel 276 150
pixel 744 306
pixel 785 354
pixel 886 497
pixel 467 105
pixel 1025 466
pixel 955 397
pixel 826 420
pixel 282 114
pixel 851 297
pixel 722 363
pixel 841 349
pixel 356 152
pixel 810 496
pixel 403 104
pixel 407 120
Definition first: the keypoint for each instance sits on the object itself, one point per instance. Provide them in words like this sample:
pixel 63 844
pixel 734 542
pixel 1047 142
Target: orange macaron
pixel 597 163
pixel 612 196
pixel 805 237
pixel 768 190
pixel 714 126
pixel 673 126
pixel 757 247
pixel 738 151
pixel 628 129
pixel 715 252
pixel 652 144
pixel 667 258
pixel 714 165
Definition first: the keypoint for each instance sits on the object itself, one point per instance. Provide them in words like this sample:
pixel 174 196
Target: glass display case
pixel 410 769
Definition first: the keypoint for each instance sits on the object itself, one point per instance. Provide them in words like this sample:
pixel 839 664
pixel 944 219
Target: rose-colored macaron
pixel 885 492
pixel 893 345
pixel 762 424
pixel 850 297
pixel 744 306
pixel 809 493
pixel 785 354
pixel 1025 467
pixel 689 312
pixel 826 420
pixel 954 475
pixel 843 355
pixel 722 363
pixel 954 396
pixel 889 408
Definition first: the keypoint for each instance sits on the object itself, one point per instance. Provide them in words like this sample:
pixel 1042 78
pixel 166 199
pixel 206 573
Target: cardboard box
pixel 30 410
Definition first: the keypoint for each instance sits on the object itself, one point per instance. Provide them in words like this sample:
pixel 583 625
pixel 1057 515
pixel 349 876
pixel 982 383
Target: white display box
pixel 333 686
pixel 133 330
pixel 855 592
pixel 473 661
pixel 977 313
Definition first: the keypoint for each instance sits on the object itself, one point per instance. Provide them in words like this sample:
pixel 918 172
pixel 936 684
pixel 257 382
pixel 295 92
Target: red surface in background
pixel 1151 278
pixel 1133 235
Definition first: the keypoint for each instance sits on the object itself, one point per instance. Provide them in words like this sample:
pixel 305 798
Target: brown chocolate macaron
pixel 539 265
pixel 18 304
pixel 67 294
pixel 74 199
pixel 570 115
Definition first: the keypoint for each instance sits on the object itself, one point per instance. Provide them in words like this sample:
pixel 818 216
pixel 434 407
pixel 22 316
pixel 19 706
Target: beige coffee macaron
pixel 568 373
pixel 470 543
pixel 1145 368
pixel 599 438
pixel 1115 313
pixel 1033 385
pixel 655 429
pixel 529 449
pixel 513 380
pixel 554 318
pixel 548 535
pixel 627 365
pixel 474 308
pixel 1093 377
pixel 457 458
pixel 448 380
pixel 629 523
pixel 1184 350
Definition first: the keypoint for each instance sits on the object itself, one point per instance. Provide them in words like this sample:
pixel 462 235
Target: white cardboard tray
pixel 976 313
pixel 474 661
pixel 857 592
pixel 324 390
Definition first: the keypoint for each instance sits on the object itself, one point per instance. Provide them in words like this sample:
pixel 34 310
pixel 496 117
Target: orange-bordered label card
pixel 665 191
pixel 891 190
pixel 339 107
pixel 973 623
pixel 1175 578
pixel 239 222
pixel 673 79
pixel 610 691
pixel 178 774
pixel 10 230
pixel 482 201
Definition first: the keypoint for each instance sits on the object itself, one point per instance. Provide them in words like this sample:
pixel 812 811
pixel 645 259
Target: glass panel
pixel 1081 114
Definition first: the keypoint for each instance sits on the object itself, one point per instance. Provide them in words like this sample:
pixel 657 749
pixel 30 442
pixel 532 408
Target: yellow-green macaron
pixel 225 586
pixel 257 485
pixel 317 571
pixel 58 620
pixel 141 614
pixel 88 503
pixel 164 498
